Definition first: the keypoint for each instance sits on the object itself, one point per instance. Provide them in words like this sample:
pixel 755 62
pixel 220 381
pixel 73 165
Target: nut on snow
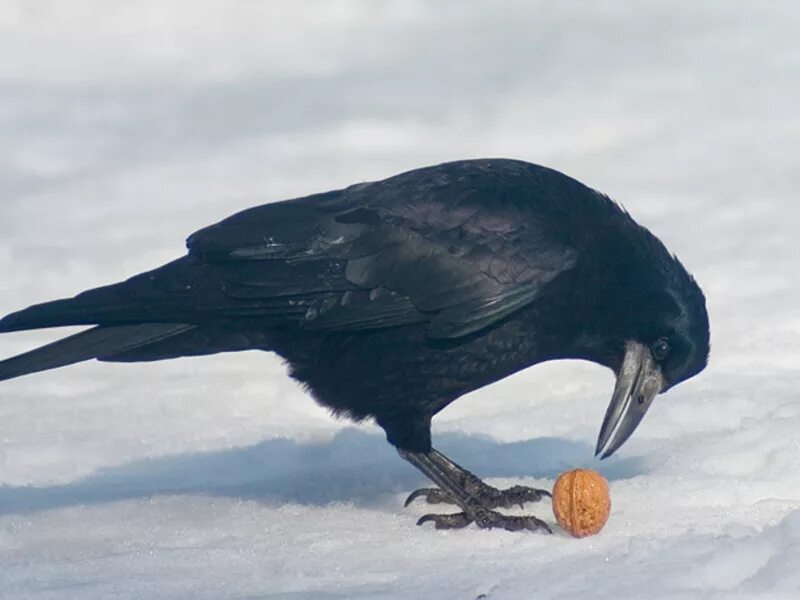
pixel 581 502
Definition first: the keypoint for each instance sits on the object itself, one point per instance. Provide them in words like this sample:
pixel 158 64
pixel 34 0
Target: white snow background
pixel 126 126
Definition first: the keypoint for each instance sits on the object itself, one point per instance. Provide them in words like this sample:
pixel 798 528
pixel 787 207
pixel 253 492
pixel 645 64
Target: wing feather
pixel 386 254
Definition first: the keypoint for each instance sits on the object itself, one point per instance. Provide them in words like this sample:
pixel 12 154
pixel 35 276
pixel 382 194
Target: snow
pixel 126 126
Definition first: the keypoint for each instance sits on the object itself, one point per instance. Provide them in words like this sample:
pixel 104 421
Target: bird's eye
pixel 660 349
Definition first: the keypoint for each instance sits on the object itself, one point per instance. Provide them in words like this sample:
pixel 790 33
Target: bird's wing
pixel 344 261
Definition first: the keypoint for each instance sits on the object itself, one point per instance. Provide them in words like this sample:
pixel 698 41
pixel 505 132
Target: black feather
pixel 94 343
pixel 390 299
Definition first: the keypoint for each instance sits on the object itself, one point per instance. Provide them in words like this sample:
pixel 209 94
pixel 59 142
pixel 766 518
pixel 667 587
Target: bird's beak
pixel 639 381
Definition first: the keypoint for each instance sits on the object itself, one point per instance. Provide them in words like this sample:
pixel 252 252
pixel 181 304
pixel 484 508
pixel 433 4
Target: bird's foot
pixel 485 519
pixel 488 496
pixel 476 499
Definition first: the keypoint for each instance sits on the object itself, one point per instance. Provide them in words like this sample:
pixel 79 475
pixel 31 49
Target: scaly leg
pixel 469 496
pixel 489 496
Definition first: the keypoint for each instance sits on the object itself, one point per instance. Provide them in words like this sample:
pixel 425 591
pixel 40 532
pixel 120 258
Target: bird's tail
pixel 154 296
pixel 97 306
pixel 104 343
pixel 151 316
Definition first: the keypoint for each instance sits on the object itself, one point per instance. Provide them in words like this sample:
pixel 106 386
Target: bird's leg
pixel 462 493
pixel 489 496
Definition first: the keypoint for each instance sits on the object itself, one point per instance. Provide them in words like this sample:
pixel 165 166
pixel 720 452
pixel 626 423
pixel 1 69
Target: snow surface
pixel 126 126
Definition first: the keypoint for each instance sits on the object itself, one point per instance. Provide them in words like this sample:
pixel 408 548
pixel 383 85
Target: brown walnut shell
pixel 581 502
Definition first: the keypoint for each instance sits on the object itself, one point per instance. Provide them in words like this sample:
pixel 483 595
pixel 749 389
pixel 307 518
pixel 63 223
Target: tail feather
pixel 155 296
pixel 93 343
pixel 70 311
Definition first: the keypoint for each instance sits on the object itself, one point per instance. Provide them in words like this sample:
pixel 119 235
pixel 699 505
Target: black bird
pixel 390 299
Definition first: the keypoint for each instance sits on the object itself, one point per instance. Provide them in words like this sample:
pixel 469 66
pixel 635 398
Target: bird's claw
pixel 488 496
pixel 517 495
pixel 485 519
pixel 431 495
pixel 451 521
pixel 476 499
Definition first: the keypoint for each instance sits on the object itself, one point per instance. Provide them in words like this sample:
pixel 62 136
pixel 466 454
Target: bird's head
pixel 665 342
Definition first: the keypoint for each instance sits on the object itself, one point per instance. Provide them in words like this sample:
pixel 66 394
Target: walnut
pixel 581 502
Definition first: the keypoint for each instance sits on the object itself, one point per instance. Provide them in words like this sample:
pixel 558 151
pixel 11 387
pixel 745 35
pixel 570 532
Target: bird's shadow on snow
pixel 354 466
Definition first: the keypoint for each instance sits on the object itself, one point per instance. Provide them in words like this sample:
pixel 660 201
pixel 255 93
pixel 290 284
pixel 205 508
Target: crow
pixel 391 299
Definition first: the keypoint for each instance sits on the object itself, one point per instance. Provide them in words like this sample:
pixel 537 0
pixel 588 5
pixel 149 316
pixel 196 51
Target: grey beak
pixel 639 381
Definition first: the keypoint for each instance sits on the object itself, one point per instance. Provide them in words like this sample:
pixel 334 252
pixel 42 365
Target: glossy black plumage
pixel 393 298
